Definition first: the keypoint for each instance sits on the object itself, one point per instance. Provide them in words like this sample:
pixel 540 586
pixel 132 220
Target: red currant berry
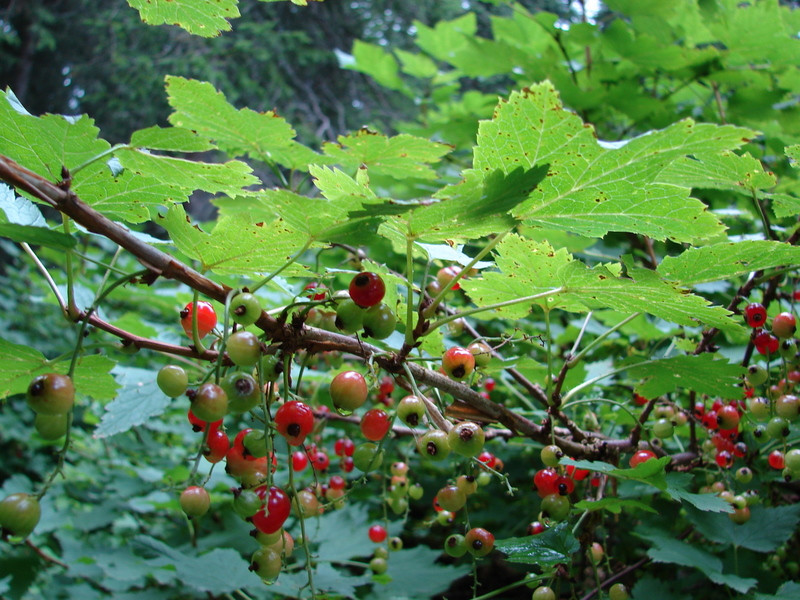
pixel 536 527
pixel 458 363
pixel 487 458
pixel 489 384
pixel 195 501
pixel 217 446
pixel 344 447
pixel 320 461
pixel 315 290
pixel 210 402
pixel 294 421
pixel 445 276
pixel 565 486
pixel 576 473
pixel 784 325
pixel 199 424
pixel 776 460
pixel 728 417
pixel 377 533
pixel 348 391
pixel 766 343
pixel 724 459
pixel 639 400
pixel 375 424
pixel 755 314
pixel 641 456
pixel 243 348
pixel 206 318
pixel 386 386
pixel 347 464
pixel 272 517
pixel 367 289
pixel 546 481
pixel 299 460
pixel 336 482
pixel 479 541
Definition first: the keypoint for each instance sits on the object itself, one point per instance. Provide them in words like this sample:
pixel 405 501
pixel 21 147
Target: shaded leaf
pixel 613 505
pixel 206 18
pixel 701 373
pixel 591 189
pixel 402 156
pixel 236 245
pixel 767 529
pixel 217 572
pixel 553 546
pixel 138 400
pixel 726 260
pixel 266 136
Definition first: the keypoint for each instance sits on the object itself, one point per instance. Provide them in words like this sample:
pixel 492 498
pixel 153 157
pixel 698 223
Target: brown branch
pixel 45 556
pixel 291 337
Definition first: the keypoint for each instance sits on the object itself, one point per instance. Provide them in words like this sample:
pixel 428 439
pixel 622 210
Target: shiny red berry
pixel 784 325
pixel 367 289
pixel 277 508
pixel 458 363
pixel 294 421
pixel 766 343
pixel 315 290
pixel 206 318
pixel 776 460
pixel 344 447
pixel 755 314
pixel 641 456
pixel 299 460
pixel 217 445
pixel 375 424
pixel 546 481
pixel 377 533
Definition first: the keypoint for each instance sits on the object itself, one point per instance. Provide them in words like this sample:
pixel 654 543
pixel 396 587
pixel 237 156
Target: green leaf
pixel 726 261
pixel 236 245
pixel 722 171
pixel 783 205
pixel 127 196
pixel 670 551
pixel 475 208
pixel 526 268
pixel 790 590
pixel 767 529
pixel 206 18
pixel 37 236
pixel 401 157
pixel 262 136
pixel 46 144
pixel 641 290
pixel 138 400
pixel 650 472
pixel 701 373
pixel 379 64
pixel 17 210
pixel 218 572
pixel 225 178
pixel 553 546
pixel 173 139
pixel 677 484
pixel 614 505
pixel 592 189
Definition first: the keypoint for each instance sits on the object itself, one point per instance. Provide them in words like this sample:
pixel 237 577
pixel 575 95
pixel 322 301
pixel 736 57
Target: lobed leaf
pixel 553 546
pixel 236 245
pixel 727 260
pixel 206 18
pixel 701 373
pixel 592 189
